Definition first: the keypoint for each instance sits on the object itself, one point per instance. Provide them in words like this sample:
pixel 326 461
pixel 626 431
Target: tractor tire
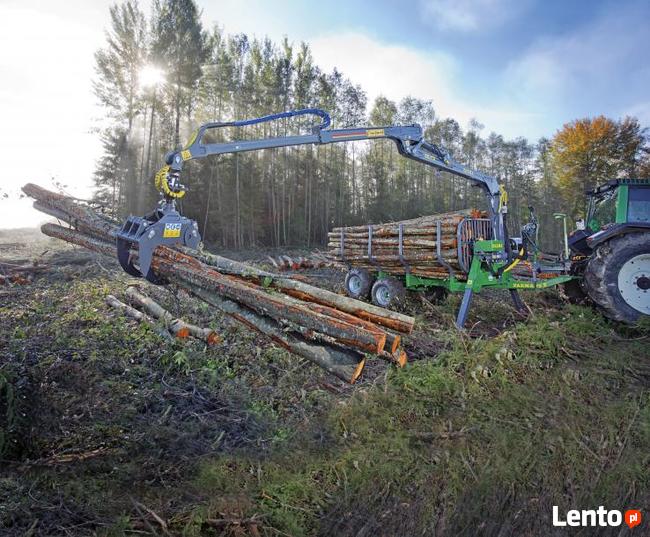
pixel 358 282
pixel 617 277
pixel 388 293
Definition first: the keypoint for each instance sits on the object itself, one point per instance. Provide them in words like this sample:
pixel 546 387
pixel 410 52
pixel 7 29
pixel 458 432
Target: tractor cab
pixel 615 207
pixel 620 201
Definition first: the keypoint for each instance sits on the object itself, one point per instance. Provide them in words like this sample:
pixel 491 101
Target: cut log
pixel 139 316
pixel 387 232
pixel 422 221
pixel 398 357
pixel 129 311
pixel 420 239
pixel 407 243
pixel 324 327
pixel 275 264
pixel 176 265
pixel 80 239
pixel 78 214
pixel 345 364
pixel 178 327
pixel 410 257
pixel 304 291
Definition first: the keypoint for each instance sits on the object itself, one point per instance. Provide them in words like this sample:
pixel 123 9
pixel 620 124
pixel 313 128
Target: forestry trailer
pixel 485 254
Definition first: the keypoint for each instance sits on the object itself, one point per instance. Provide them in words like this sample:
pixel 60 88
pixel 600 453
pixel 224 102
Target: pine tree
pixel 116 86
pixel 180 46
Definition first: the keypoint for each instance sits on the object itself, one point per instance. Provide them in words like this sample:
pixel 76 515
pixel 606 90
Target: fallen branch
pixel 129 311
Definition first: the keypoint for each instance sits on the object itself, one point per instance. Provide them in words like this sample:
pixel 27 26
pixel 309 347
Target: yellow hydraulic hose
pixel 160 180
pixel 515 262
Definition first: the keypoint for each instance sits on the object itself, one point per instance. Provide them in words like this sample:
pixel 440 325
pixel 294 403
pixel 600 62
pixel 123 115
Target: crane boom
pixel 166 226
pixel 408 138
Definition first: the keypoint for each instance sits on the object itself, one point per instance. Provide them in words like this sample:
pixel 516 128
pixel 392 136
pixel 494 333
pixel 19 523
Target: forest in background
pixel 294 196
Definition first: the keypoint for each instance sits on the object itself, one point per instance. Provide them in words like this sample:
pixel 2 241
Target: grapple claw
pixel 165 226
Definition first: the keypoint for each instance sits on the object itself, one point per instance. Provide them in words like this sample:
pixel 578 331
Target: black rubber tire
pixel 388 293
pixel 601 274
pixel 358 283
pixel 436 295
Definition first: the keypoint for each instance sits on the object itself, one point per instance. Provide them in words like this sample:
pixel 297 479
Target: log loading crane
pixel 492 251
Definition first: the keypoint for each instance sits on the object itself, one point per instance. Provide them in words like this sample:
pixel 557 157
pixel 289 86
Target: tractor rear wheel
pixel 617 277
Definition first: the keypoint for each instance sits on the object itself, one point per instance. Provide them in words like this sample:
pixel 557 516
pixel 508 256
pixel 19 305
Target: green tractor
pixel 610 251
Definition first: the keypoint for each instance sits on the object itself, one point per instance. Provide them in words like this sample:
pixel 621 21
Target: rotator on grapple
pixel 165 226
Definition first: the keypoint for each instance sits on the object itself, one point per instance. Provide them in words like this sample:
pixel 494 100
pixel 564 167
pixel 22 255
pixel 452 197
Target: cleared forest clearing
pixel 110 429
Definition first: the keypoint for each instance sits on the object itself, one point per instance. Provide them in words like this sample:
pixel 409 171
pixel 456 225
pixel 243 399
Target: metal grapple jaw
pixel 164 227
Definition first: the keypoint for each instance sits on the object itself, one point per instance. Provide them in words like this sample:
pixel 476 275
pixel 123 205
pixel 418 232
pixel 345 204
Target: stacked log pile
pixel 285 263
pixel 333 331
pixel 420 244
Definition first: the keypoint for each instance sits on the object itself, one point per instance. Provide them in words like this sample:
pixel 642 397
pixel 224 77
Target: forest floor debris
pixel 116 431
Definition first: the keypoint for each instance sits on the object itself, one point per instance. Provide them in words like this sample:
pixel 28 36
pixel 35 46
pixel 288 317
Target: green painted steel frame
pixel 480 276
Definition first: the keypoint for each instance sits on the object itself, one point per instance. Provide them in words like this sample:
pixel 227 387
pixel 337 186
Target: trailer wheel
pixel 358 282
pixel 387 292
pixel 617 277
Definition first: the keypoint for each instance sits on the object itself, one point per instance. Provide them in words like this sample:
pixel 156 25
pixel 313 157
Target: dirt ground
pixel 109 428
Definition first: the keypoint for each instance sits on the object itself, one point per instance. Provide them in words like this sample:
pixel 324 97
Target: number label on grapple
pixel 172 231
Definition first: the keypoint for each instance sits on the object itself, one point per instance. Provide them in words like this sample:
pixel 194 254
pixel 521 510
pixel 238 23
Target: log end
pixel 358 370
pixel 213 338
pixel 183 333
pixel 397 340
pixel 402 359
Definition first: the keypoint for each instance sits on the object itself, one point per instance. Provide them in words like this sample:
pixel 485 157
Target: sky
pixel 519 67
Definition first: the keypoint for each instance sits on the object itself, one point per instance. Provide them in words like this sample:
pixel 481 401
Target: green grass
pixel 542 415
pixel 482 436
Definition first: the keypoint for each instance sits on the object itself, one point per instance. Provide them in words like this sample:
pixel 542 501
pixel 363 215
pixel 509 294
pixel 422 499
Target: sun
pixel 150 76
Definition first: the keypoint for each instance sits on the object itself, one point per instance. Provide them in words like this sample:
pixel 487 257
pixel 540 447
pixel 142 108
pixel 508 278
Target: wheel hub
pixel 354 283
pixel 383 296
pixel 634 282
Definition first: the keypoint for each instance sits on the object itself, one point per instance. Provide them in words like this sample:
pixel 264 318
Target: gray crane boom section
pixel 409 140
